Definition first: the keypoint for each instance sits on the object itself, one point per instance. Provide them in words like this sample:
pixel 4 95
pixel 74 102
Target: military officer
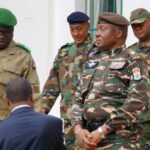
pixel 15 60
pixel 140 23
pixel 112 93
pixel 63 75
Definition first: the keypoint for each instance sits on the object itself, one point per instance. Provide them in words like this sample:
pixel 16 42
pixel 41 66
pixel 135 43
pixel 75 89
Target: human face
pixel 142 30
pixel 6 35
pixel 79 32
pixel 106 36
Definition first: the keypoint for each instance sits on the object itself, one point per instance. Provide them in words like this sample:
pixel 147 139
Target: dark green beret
pixel 77 17
pixel 7 18
pixel 113 18
pixel 139 15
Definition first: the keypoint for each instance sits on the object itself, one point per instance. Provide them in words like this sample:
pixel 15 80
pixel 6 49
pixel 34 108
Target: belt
pixel 93 125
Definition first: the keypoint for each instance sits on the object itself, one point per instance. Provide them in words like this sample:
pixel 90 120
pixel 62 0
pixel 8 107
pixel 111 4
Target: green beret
pixel 7 18
pixel 113 18
pixel 139 16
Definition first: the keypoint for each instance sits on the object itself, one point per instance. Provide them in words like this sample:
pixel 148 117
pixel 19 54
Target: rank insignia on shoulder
pixel 117 65
pixel 24 47
pixel 91 64
pixel 136 73
pixel 66 45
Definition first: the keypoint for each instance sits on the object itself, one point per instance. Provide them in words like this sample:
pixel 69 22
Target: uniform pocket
pixel 8 73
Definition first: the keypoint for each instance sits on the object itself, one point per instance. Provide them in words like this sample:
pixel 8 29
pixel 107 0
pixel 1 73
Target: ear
pixel 31 101
pixel 88 24
pixel 7 101
pixel 119 33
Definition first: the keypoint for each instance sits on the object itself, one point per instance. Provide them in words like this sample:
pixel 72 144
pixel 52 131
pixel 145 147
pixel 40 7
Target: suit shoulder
pixel 24 47
pixel 49 117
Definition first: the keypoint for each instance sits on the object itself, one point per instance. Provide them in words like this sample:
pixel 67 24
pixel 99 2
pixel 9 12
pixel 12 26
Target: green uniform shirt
pixel 15 61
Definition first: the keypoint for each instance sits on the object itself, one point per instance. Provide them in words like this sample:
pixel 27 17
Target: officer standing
pixel 63 75
pixel 15 60
pixel 140 22
pixel 113 91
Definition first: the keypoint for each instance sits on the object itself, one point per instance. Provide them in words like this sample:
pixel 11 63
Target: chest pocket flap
pixel 8 73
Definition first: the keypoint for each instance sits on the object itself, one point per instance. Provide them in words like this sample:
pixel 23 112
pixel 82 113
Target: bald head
pixel 18 90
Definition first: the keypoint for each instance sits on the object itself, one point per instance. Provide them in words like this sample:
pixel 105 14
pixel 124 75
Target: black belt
pixel 93 125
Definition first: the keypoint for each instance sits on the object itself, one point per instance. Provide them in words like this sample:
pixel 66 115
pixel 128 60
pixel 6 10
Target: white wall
pixel 32 28
pixel 128 6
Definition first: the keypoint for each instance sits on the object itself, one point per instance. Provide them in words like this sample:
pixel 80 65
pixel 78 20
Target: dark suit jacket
pixel 26 129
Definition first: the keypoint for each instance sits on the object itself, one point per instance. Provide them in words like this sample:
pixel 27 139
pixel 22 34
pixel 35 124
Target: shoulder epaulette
pixel 66 45
pixel 24 47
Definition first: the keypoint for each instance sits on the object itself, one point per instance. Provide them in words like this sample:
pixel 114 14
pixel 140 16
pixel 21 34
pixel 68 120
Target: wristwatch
pixel 101 133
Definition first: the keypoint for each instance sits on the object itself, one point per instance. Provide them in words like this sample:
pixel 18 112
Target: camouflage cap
pixel 7 18
pixel 113 18
pixel 139 15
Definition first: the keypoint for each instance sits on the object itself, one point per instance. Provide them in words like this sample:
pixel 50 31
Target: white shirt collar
pixel 20 106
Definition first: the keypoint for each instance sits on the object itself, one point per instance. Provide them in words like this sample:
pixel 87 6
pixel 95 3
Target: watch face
pixel 100 131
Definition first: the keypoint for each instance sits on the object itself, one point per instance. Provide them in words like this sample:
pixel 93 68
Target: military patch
pixel 117 65
pixel 136 73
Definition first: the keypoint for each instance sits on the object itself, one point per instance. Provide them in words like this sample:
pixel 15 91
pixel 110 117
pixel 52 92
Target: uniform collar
pixel 88 41
pixel 144 44
pixel 113 52
pixel 10 50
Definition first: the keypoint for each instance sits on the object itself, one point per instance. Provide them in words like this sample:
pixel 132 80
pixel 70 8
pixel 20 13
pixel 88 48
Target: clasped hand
pixel 88 140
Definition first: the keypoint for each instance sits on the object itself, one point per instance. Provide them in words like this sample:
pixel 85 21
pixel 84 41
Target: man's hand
pixel 96 138
pixel 84 139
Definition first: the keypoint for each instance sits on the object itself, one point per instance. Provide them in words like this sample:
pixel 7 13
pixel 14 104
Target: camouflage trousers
pixel 69 136
pixel 122 140
pixel 126 145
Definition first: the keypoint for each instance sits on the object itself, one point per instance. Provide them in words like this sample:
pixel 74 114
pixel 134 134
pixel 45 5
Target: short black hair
pixel 18 89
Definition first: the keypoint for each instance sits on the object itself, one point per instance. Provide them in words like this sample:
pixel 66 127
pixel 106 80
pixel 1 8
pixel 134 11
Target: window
pixel 94 7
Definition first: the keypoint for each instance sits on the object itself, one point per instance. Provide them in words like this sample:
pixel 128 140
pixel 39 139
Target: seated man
pixel 26 129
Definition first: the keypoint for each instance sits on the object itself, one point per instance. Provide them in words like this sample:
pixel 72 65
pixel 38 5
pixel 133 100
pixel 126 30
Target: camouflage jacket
pixel 144 51
pixel 16 61
pixel 113 87
pixel 63 76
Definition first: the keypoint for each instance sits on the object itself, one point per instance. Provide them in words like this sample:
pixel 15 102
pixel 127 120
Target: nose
pixel 98 33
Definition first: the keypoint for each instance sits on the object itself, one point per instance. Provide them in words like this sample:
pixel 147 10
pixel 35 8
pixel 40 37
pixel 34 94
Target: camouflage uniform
pixel 144 51
pixel 15 61
pixel 113 90
pixel 63 80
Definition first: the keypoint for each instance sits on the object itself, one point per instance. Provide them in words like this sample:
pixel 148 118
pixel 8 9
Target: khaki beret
pixel 7 18
pixel 139 15
pixel 113 18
